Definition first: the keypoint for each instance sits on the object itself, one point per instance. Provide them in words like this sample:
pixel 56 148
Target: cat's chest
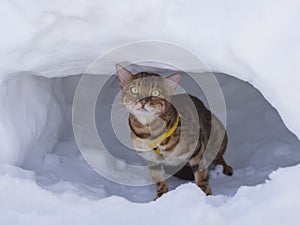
pixel 164 155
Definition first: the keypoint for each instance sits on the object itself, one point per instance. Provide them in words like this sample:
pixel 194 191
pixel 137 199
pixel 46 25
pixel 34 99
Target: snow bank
pixel 274 202
pixel 257 41
pixel 31 110
pixel 9 170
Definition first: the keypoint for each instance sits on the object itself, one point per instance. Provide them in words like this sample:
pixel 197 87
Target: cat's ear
pixel 123 75
pixel 173 80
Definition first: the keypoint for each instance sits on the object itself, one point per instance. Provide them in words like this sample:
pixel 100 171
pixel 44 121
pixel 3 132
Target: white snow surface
pixel 253 40
pixel 256 41
pixel 31 116
pixel 24 202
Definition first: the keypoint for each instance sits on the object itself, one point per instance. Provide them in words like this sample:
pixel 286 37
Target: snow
pixel 187 204
pixel 252 40
pixel 255 41
pixel 238 38
pixel 31 117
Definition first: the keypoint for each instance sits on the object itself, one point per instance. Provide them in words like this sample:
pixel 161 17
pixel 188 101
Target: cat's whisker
pixel 120 117
pixel 116 104
pixel 120 114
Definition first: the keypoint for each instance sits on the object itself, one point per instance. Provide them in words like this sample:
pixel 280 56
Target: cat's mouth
pixel 142 109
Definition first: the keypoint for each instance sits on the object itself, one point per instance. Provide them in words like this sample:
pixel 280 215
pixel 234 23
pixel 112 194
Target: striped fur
pixel 151 116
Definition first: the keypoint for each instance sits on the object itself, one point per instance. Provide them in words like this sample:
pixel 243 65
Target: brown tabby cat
pixel 171 134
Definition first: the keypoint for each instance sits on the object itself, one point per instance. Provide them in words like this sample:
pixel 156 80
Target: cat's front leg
pixel 157 173
pixel 201 174
pixel 202 180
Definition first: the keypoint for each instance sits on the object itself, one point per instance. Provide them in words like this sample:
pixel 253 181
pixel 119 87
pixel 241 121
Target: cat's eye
pixel 155 93
pixel 134 90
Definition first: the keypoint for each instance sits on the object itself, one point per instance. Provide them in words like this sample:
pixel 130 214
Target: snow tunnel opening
pixel 259 141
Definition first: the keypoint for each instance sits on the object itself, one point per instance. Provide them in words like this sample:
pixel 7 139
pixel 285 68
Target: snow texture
pixel 24 202
pixel 31 116
pixel 255 41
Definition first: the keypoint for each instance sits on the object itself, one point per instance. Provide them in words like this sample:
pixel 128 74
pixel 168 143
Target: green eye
pixel 134 90
pixel 155 93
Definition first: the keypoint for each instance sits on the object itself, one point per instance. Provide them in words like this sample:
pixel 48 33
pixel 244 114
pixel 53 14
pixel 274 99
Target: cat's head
pixel 146 94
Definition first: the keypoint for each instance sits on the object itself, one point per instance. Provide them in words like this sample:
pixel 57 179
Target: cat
pixel 158 133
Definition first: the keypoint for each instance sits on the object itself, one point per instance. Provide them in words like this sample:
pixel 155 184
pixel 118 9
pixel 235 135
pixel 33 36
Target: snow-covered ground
pixel 24 202
pixel 43 178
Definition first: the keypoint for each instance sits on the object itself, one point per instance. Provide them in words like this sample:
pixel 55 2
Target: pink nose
pixel 144 101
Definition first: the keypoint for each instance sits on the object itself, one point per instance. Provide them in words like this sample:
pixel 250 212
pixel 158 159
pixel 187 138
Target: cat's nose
pixel 144 101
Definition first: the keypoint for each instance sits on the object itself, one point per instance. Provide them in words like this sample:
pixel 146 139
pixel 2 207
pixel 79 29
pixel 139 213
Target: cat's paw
pixel 157 197
pixel 227 170
pixel 206 189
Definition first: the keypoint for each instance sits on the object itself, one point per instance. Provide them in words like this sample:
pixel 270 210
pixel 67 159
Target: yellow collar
pixel 161 138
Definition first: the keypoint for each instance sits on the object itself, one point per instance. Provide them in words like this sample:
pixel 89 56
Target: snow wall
pixel 256 41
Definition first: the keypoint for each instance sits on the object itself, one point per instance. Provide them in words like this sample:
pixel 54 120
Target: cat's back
pixel 197 116
pixel 189 106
